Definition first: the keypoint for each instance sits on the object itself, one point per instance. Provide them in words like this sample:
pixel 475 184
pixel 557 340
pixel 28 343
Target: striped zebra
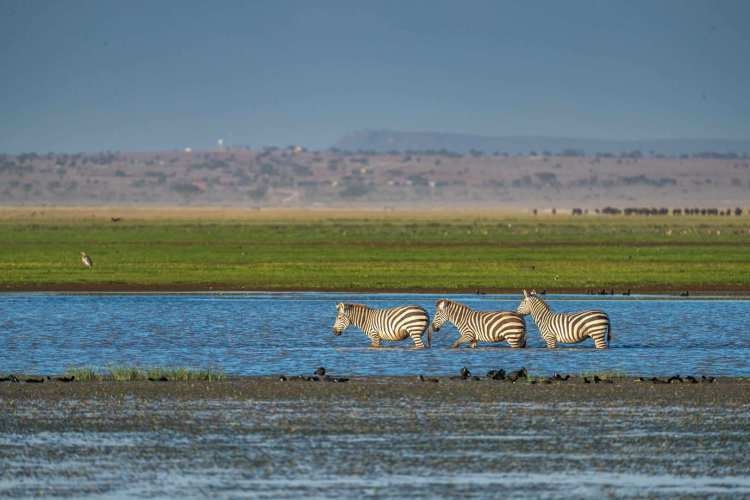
pixel 393 323
pixel 568 328
pixel 480 326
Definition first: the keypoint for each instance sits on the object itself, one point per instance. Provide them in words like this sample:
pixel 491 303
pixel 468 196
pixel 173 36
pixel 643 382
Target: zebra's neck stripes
pixel 457 314
pixel 358 315
pixel 541 312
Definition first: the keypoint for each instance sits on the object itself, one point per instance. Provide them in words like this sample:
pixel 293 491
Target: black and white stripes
pixel 480 326
pixel 394 323
pixel 398 323
pixel 568 328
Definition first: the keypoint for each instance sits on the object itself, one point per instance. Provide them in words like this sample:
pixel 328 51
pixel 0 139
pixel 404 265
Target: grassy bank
pixel 370 251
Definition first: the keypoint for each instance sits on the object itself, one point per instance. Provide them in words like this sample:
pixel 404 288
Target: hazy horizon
pixel 99 75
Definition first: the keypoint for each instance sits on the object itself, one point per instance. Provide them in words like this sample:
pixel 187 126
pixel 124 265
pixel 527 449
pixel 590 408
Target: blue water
pixel 272 333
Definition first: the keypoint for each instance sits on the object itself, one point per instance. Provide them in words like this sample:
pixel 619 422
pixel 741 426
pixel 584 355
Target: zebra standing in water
pixel 480 326
pixel 568 328
pixel 394 323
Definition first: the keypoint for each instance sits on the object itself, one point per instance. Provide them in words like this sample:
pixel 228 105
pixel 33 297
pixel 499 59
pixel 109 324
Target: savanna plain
pixel 369 250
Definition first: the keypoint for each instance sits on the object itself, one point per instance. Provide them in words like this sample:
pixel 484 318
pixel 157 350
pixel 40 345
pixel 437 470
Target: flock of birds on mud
pixel 321 375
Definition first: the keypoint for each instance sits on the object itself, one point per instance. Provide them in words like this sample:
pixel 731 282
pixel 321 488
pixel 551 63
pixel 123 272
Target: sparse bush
pixel 267 169
pixel 355 190
pixel 259 192
pixel 184 188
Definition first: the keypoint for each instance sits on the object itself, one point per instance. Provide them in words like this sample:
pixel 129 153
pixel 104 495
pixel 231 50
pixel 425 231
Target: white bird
pixel 86 260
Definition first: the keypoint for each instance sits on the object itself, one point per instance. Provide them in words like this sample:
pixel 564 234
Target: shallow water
pixel 281 449
pixel 267 333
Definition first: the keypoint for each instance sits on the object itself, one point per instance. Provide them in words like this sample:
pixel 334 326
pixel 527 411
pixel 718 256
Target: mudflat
pixel 384 437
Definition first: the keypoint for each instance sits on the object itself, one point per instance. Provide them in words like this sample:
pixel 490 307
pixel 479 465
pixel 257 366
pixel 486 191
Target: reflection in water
pixel 253 334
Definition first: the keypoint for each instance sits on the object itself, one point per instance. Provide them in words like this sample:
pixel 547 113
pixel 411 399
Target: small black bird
pixel 320 371
pixel 422 378
pixel 496 374
pixel 515 375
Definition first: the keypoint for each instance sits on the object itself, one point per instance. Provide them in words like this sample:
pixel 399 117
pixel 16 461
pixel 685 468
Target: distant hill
pixel 392 140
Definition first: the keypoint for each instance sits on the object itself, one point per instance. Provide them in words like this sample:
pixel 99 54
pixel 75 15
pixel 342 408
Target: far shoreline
pixel 108 288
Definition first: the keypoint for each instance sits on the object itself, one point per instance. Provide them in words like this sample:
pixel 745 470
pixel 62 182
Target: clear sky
pixel 147 75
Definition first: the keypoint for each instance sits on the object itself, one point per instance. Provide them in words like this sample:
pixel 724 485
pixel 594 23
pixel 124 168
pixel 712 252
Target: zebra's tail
pixel 609 333
pixel 429 335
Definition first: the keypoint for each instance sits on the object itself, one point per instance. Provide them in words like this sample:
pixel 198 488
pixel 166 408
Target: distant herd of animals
pixel 398 323
pixel 659 211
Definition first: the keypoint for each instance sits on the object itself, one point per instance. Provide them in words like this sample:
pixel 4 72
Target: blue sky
pixel 144 75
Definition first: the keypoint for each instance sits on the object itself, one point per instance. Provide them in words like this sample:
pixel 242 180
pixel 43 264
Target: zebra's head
pixel 342 318
pixel 525 306
pixel 441 315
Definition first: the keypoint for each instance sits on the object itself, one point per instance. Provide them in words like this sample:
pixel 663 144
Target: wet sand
pixel 375 437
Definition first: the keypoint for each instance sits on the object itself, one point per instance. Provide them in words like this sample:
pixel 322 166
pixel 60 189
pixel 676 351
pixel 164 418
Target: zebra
pixel 568 328
pixel 393 323
pixel 475 326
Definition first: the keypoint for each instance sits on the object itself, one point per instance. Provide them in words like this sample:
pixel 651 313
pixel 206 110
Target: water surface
pixel 269 333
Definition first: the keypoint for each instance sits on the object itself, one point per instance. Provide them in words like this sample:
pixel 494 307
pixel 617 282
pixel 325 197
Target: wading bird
pixel 86 260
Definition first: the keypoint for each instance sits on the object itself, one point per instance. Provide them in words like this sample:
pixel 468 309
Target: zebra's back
pixel 397 323
pixel 499 326
pixel 571 328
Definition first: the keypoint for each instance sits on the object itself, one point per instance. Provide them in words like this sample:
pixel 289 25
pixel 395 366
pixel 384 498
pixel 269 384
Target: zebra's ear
pixel 533 292
pixel 525 293
pixel 340 307
pixel 441 304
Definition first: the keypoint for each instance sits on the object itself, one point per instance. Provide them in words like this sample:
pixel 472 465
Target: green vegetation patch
pixel 132 373
pixel 391 253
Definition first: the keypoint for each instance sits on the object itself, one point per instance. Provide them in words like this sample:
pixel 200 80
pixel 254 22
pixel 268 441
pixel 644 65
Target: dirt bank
pixel 723 391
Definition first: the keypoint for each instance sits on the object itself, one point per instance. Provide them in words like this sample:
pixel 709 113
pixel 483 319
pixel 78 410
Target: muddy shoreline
pixel 724 390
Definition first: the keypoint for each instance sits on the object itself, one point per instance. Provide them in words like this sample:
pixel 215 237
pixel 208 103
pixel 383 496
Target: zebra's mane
pixel 355 307
pixel 537 299
pixel 455 305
